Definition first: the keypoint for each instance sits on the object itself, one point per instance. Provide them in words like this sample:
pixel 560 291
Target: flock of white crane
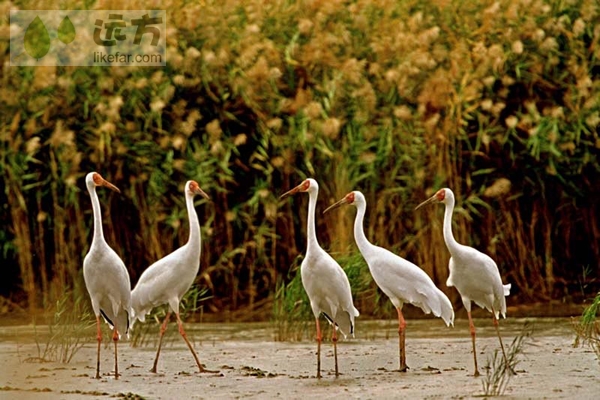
pixel 474 274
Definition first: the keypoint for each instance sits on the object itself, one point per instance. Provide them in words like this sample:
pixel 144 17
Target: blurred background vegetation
pixel 498 100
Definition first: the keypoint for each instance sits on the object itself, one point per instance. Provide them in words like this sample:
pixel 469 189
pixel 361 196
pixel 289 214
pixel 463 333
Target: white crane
pixel 168 279
pixel 106 277
pixel 474 274
pixel 324 281
pixel 401 280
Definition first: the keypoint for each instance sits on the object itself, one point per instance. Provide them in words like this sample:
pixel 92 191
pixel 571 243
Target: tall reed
pixel 495 99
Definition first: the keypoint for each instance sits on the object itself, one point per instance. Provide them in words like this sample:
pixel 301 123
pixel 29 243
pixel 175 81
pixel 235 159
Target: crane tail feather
pixel 506 289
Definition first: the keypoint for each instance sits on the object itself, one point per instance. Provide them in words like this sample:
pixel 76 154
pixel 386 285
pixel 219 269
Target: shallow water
pixel 365 329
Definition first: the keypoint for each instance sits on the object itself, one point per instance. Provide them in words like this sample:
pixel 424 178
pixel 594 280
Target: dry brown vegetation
pixel 498 100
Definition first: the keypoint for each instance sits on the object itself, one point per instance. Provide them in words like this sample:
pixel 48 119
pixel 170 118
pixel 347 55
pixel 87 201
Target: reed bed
pixel 497 100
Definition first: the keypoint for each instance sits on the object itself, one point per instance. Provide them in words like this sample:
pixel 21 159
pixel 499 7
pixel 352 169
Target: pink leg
pixel 163 329
pixel 334 339
pixel 184 336
pixel 472 329
pixel 115 339
pixel 402 340
pixel 319 338
pixel 99 338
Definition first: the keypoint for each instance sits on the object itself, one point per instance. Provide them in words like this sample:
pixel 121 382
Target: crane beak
pixel 336 205
pixel 201 192
pixel 110 185
pixel 290 192
pixel 432 199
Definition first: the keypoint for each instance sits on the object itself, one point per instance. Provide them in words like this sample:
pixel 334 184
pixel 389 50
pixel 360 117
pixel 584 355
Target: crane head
pixel 193 188
pixel 438 197
pixel 347 199
pixel 303 187
pixel 97 180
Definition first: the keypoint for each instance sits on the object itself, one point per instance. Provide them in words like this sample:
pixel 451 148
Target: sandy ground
pixel 252 365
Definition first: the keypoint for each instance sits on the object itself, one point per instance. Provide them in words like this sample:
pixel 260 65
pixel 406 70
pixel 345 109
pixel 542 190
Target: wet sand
pixel 252 365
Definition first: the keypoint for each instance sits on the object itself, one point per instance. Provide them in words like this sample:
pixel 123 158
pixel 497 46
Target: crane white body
pixel 476 277
pixel 328 289
pixel 400 280
pixel 105 276
pixel 108 285
pixel 324 280
pixel 474 274
pixel 167 280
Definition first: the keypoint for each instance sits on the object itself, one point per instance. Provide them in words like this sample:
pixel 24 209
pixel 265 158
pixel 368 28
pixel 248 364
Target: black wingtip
pixel 107 319
pixel 328 318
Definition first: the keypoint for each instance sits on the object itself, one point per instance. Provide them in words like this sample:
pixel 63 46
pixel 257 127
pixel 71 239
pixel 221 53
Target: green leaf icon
pixel 37 39
pixel 66 31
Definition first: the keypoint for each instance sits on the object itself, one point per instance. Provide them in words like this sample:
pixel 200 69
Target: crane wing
pixel 404 282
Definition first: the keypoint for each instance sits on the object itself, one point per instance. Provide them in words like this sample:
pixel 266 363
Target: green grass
pixel 67 330
pixel 587 329
pixel 497 372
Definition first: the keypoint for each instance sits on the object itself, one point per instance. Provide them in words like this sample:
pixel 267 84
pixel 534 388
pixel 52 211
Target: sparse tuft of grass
pixel 497 372
pixel 67 330
pixel 291 309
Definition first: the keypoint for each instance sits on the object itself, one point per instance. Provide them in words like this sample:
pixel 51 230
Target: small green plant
pixel 291 311
pixel 67 331
pixel 146 334
pixel 588 327
pixel 292 315
pixel 497 371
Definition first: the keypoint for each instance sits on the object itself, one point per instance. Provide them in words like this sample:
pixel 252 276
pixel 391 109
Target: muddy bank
pixel 252 365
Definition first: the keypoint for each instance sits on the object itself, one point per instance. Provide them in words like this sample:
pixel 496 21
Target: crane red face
pixel 194 188
pixel 440 195
pixel 303 187
pixel 350 198
pixel 97 179
pixel 100 181
pixel 347 199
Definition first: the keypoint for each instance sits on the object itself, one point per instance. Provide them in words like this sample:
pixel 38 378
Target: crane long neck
pixel 359 232
pixel 194 238
pixel 448 236
pixel 311 232
pixel 98 233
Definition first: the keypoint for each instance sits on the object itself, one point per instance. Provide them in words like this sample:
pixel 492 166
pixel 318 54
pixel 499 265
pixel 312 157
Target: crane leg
pixel 319 338
pixel 163 329
pixel 334 339
pixel 402 341
pixel 472 329
pixel 508 368
pixel 184 336
pixel 99 338
pixel 115 339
